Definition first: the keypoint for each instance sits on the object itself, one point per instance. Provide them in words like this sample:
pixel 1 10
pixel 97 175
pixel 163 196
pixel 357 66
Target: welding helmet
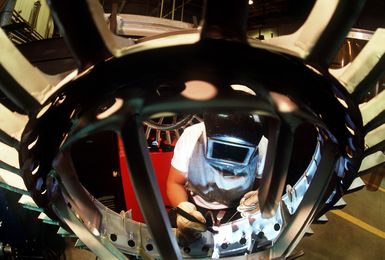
pixel 232 140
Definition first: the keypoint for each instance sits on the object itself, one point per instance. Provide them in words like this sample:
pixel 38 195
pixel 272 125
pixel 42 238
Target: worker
pixel 216 167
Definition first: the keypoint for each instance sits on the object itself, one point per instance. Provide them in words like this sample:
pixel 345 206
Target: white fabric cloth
pixel 185 146
pixel 184 149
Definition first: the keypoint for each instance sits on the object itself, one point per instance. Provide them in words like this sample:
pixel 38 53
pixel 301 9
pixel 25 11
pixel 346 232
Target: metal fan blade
pixel 80 32
pixel 321 35
pixel 366 68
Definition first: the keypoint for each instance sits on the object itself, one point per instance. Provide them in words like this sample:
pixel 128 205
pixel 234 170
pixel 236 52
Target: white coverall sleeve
pixel 185 146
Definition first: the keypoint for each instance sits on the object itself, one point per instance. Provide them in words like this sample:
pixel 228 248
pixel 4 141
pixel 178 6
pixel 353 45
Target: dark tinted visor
pixel 227 152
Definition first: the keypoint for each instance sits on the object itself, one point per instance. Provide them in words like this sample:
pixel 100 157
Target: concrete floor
pixel 358 234
pixel 353 233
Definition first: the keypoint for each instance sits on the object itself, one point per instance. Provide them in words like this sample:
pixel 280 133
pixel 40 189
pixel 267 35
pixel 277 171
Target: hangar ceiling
pixel 262 13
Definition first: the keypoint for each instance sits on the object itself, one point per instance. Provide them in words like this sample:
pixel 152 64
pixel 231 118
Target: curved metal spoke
pixel 21 82
pixel 321 35
pixel 273 180
pixel 365 69
pixel 376 122
pixel 8 140
pixel 373 110
pixel 11 123
pixel 225 20
pixel 374 138
pixel 296 228
pixel 146 189
pixel 79 31
pixel 16 93
pixel 331 38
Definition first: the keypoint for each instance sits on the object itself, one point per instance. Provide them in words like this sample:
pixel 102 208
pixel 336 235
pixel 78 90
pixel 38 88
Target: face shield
pixel 229 151
pixel 232 141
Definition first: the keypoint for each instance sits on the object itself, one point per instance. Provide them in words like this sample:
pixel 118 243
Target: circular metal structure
pixel 117 89
pixel 121 105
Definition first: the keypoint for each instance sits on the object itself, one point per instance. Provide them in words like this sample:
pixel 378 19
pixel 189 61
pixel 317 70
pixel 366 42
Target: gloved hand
pixel 249 203
pixel 187 230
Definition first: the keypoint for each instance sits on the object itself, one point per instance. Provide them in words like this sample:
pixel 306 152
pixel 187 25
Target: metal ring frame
pixel 57 188
pixel 104 97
